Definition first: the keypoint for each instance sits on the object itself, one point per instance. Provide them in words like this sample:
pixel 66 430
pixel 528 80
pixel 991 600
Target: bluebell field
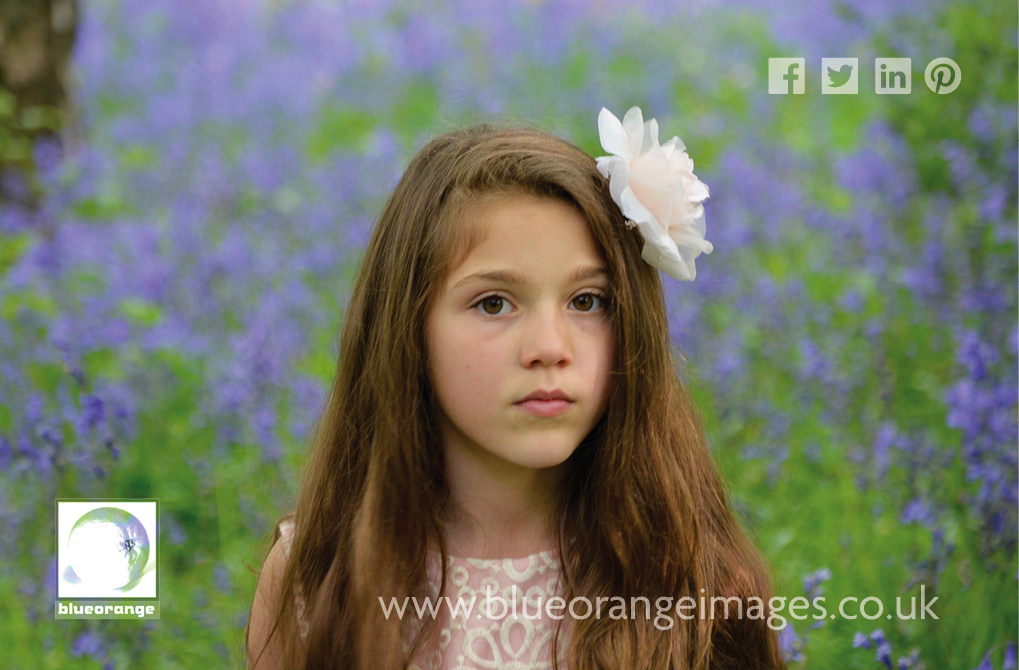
pixel 168 315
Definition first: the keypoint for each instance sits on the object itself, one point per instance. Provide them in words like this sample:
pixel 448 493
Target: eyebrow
pixel 510 277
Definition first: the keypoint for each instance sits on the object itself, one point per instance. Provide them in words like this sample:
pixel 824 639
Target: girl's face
pixel 523 313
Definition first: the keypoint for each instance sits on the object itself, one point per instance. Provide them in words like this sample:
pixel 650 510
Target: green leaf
pixel 101 207
pixel 6 419
pixel 138 157
pixel 45 376
pixel 319 365
pixel 12 303
pixel 416 110
pixel 339 128
pixel 7 104
pixel 12 246
pixel 102 363
pixel 847 114
pixel 40 118
pixel 140 311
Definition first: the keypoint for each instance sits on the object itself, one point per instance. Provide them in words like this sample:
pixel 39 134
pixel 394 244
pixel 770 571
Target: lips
pixel 545 403
pixel 543 394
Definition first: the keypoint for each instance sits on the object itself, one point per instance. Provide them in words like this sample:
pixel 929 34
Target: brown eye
pixel 492 301
pixel 586 302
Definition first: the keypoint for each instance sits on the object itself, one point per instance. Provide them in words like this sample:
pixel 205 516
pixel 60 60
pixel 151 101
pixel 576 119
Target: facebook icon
pixel 786 76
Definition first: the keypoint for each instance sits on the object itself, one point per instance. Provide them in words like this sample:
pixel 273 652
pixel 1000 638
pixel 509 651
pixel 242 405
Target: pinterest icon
pixel 942 75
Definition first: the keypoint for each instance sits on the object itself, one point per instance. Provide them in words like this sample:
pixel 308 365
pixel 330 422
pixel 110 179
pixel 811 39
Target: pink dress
pixel 495 615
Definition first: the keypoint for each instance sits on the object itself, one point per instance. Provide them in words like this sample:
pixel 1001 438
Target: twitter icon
pixel 840 75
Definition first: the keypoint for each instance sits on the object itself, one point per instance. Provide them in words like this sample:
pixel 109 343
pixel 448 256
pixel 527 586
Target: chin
pixel 541 457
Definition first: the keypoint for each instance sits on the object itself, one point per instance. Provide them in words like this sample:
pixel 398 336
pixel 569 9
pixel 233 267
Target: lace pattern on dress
pixel 506 627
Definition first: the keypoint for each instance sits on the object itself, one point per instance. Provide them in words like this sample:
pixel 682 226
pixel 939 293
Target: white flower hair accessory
pixel 657 191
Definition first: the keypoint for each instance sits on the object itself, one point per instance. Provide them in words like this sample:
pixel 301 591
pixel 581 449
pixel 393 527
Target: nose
pixel 546 338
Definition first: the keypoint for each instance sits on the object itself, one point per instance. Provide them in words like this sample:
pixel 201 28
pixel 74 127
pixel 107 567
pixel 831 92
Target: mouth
pixel 545 408
pixel 546 394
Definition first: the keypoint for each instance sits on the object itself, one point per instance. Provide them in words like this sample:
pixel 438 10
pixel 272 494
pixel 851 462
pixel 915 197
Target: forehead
pixel 546 235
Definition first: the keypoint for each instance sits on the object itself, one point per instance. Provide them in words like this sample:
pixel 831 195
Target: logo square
pixel 840 76
pixel 787 76
pixel 107 548
pixel 893 76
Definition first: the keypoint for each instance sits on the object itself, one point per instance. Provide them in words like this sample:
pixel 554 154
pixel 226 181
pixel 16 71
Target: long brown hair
pixel 642 511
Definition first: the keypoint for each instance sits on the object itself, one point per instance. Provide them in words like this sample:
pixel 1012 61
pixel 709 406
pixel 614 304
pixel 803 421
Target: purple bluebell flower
pixel 88 643
pixel 918 511
pixel 884 654
pixel 6 454
pixel 884 440
pixel 912 661
pixel 93 409
pixel 813 582
pixel 175 532
pixel 790 644
pixel 861 641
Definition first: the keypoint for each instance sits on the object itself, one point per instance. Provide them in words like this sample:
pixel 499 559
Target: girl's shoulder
pixel 264 648
pixel 285 533
pixel 284 540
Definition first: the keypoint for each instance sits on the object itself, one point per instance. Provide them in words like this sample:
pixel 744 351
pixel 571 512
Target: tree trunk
pixel 36 43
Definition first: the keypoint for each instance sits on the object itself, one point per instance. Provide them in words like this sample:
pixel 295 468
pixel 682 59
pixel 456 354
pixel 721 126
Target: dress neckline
pixel 549 552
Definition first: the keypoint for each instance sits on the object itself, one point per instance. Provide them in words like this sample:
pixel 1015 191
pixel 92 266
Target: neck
pixel 499 510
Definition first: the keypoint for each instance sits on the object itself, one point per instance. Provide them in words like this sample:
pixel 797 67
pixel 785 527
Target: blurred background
pixel 186 189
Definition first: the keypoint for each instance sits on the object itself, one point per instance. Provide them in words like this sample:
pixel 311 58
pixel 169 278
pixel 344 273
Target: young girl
pixel 507 425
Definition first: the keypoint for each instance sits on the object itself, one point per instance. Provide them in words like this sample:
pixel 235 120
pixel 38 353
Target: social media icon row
pixel 892 76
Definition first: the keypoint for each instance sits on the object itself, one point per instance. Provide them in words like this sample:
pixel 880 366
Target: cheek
pixel 465 372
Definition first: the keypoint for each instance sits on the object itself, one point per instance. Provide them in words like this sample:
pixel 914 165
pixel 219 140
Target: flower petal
pixel 659 199
pixel 675 144
pixel 650 138
pixel 674 266
pixel 612 135
pixel 633 125
pixel 632 208
pixel 617 171
pixel 692 242
pixel 696 190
